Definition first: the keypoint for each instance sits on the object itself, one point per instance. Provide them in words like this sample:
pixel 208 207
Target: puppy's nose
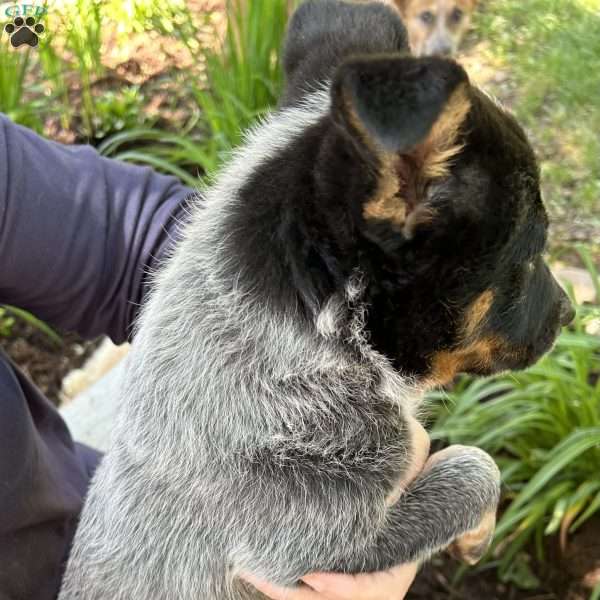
pixel 567 312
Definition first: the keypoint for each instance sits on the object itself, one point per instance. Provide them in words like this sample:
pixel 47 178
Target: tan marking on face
pixel 422 36
pixel 447 364
pixel 477 312
pixel 418 31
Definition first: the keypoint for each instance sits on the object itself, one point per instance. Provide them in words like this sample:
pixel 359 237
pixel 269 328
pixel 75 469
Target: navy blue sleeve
pixel 78 232
pixel 44 476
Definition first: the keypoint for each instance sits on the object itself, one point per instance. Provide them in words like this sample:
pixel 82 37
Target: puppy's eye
pixel 530 267
pixel 427 17
pixel 456 15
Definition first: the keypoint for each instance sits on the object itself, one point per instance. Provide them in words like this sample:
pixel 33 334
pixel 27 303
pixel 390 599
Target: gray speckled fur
pixel 251 442
pixel 212 469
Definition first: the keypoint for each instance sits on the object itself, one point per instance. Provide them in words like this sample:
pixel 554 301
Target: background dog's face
pixel 454 218
pixel 436 26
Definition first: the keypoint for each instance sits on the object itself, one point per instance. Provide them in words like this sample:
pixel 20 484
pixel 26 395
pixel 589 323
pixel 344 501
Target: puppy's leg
pixel 471 546
pixel 455 498
pixel 420 451
pixel 446 501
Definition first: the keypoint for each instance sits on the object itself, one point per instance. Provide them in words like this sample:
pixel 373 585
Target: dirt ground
pixel 42 360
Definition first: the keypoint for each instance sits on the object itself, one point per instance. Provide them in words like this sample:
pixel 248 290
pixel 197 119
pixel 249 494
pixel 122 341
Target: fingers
pixel 386 585
pixel 282 593
pixel 420 451
pixel 421 445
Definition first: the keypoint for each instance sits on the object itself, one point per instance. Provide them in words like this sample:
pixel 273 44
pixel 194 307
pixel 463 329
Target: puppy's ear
pixel 406 113
pixel 393 103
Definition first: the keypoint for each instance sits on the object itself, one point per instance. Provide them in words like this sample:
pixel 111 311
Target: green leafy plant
pixel 6 322
pixel 55 72
pixel 243 81
pixel 14 65
pixel 82 26
pixel 181 155
pixel 551 50
pixel 543 428
pixel 115 111
pixel 6 310
pixel 171 18
pixel 243 77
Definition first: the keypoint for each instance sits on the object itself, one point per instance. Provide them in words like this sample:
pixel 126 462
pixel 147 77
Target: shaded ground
pixel 435 583
pixel 565 575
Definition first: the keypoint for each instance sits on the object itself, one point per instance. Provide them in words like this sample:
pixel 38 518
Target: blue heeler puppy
pixel 377 234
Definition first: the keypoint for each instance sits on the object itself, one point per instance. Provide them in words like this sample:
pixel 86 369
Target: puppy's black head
pixel 451 230
pixel 418 181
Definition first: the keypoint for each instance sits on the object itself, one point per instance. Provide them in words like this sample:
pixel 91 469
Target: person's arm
pixel 79 232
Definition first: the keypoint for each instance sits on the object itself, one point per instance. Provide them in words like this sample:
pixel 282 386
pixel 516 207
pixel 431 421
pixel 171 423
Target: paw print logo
pixel 24 31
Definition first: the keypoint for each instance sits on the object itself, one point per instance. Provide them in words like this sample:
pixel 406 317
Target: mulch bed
pixel 435 582
pixel 42 360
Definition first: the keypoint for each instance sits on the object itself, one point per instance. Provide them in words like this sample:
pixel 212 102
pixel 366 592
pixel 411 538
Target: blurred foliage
pixel 244 76
pixel 36 85
pixel 116 111
pixel 13 68
pixel 9 315
pixel 240 79
pixel 6 322
pixel 243 81
pixel 83 38
pixel 552 50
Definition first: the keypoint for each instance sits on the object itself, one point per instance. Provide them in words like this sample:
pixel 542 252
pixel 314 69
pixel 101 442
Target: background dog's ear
pixel 407 114
pixel 402 5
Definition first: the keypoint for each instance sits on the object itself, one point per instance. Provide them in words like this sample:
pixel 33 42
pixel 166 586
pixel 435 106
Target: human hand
pixel 386 585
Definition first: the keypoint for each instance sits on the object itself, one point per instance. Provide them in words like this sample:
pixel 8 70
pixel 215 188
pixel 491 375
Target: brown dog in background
pixel 436 26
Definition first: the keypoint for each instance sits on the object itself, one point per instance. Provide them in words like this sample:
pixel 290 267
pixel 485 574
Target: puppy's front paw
pixel 471 546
